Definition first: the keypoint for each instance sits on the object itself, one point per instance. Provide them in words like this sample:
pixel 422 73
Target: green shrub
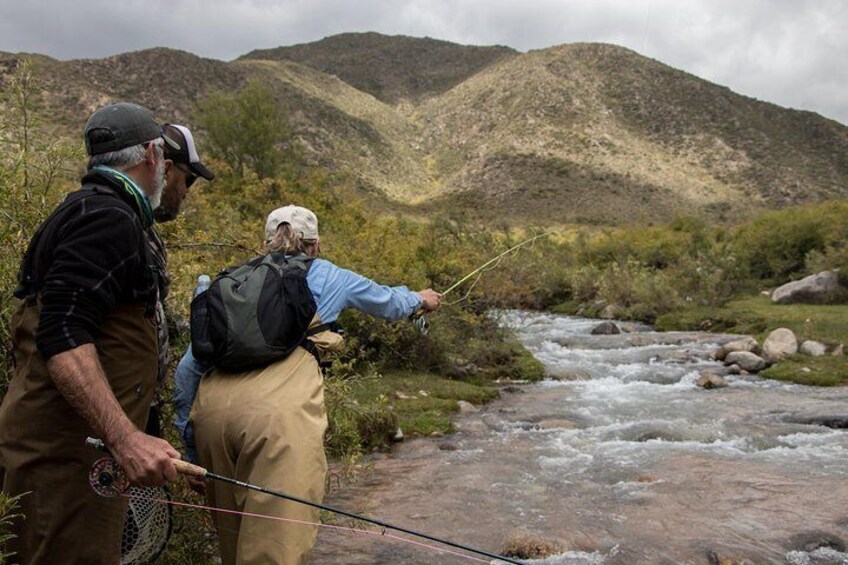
pixel 245 129
pixel 34 176
pixel 8 507
pixel 776 246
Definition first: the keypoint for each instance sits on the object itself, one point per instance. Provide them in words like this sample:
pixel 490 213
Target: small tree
pixel 245 129
pixel 31 166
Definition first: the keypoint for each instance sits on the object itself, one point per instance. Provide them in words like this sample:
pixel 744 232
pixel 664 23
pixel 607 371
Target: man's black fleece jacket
pixel 87 257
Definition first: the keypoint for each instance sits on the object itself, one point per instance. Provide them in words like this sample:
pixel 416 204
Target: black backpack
pixel 253 314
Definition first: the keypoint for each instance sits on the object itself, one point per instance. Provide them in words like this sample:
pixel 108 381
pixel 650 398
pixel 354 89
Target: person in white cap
pixel 276 439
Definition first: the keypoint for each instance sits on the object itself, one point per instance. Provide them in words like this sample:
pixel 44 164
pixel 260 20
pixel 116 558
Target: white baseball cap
pixel 302 220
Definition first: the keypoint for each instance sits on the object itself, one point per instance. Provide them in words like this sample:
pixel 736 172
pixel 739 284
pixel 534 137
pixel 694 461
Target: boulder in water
pixel 710 381
pixel 606 328
pixel 746 361
pixel 526 545
pixel 813 540
pixel 466 407
pixel 747 343
pixel 780 343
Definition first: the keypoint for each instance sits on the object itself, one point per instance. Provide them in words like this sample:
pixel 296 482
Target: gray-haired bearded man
pixel 86 348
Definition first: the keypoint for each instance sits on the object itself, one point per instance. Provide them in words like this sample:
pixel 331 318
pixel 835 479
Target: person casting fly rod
pixel 265 423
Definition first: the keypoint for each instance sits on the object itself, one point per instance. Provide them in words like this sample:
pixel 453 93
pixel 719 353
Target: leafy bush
pixel 34 167
pixel 775 245
pixel 8 505
pixel 246 129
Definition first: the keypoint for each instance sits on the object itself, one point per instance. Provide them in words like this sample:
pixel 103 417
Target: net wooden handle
pixel 186 468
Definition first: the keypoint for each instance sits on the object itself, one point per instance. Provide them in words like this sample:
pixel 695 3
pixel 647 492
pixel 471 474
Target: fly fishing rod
pixel 495 261
pixel 418 319
pixel 107 479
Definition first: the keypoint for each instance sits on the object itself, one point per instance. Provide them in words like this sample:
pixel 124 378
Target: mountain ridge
pixel 580 132
pixel 391 68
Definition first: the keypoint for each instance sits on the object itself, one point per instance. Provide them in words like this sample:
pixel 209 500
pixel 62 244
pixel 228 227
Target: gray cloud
pixel 789 52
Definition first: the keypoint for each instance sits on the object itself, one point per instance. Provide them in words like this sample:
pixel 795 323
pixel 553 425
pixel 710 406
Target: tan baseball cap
pixel 301 220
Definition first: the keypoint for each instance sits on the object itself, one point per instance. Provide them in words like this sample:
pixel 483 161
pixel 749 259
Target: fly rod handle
pixel 190 469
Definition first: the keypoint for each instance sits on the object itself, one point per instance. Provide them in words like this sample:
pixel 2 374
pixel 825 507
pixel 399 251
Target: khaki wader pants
pixel 264 427
pixel 42 443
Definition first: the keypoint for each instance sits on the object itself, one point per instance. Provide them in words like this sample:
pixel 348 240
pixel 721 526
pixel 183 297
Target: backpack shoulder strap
pixel 301 261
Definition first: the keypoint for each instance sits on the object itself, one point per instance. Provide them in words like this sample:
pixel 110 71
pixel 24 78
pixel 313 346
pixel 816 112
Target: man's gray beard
pixel 159 184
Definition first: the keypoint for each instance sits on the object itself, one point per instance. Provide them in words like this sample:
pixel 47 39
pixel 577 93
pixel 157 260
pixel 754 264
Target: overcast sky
pixel 790 52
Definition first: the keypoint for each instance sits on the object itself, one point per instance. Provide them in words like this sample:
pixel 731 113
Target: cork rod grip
pixel 186 468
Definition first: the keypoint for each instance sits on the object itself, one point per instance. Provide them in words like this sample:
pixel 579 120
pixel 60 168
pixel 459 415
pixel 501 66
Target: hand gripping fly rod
pixel 108 481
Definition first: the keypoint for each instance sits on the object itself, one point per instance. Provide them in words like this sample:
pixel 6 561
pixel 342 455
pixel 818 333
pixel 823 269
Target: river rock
pixel 815 289
pixel 466 407
pixel 711 380
pixel 780 343
pixel 606 328
pixel 611 311
pixel 813 348
pixel 747 343
pixel 526 545
pixel 734 369
pixel 746 361
pixel 815 539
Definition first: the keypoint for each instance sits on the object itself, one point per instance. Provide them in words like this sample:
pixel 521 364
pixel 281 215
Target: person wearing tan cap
pixel 85 348
pixel 267 425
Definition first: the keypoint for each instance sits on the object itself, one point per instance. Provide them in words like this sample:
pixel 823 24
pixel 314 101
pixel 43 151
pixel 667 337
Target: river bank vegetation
pixel 689 273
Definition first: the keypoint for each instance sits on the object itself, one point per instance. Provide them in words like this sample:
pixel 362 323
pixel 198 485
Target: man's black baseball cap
pixel 187 153
pixel 121 125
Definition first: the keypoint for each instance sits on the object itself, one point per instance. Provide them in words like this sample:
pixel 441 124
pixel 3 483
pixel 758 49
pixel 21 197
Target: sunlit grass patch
pixel 818 371
pixel 423 402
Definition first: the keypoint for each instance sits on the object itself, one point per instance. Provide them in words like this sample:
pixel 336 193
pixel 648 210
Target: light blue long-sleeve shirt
pixel 334 290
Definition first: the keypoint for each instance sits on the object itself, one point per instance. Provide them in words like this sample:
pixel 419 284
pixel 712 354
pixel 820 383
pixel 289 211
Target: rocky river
pixel 619 458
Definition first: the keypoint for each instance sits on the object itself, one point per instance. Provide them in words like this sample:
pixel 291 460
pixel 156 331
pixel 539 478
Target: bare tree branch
pixel 213 244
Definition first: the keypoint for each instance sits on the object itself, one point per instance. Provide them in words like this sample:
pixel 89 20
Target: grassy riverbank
pixel 758 316
pixel 366 410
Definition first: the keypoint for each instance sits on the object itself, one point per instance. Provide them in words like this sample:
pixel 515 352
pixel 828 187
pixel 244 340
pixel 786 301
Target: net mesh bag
pixel 147 525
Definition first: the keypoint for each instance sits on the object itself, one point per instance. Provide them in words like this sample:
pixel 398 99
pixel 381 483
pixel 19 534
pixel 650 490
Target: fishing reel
pixel 107 478
pixel 420 323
